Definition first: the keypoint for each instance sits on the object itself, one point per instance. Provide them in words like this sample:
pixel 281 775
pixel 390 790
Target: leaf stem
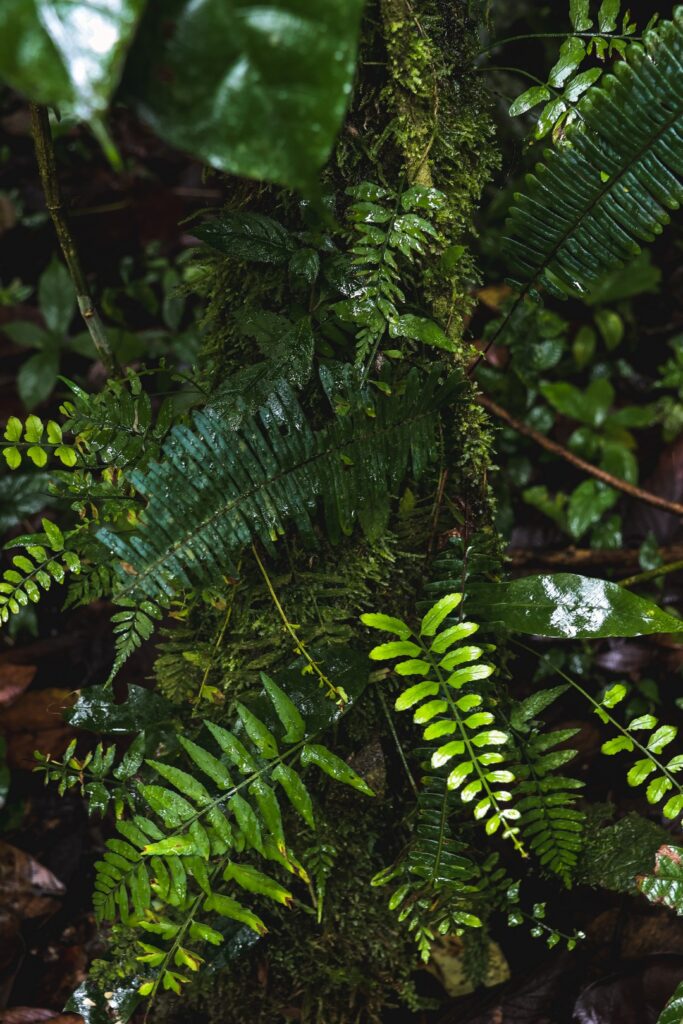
pixel 603 714
pixel 47 167
pixel 332 691
pixel 558 35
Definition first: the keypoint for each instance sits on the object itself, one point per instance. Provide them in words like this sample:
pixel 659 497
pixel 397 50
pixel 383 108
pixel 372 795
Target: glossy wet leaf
pixel 570 606
pixel 67 53
pixel 89 1000
pixel 97 710
pixel 587 504
pixel 257 91
pixel 333 766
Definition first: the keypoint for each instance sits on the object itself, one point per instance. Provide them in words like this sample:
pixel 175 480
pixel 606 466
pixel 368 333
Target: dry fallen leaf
pixel 35 722
pixel 14 679
pixel 27 888
pixel 33 1015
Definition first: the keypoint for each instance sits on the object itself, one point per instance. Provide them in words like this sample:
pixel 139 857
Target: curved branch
pixel 587 467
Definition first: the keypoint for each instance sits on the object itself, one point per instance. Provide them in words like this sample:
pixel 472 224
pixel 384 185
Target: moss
pixel 417 115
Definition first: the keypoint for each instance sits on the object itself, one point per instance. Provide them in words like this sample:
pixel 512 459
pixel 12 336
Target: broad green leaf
pixel 413 667
pixel 66 53
pixel 579 13
pixel 54 535
pixel 661 738
pixel 256 90
pixel 209 764
pixel 430 710
pixel 57 298
pixel 183 781
pixel 436 615
pixel 658 789
pixel 227 907
pixel 616 745
pixel 394 649
pixel 589 406
pixel 247 821
pixel 180 845
pixel 25 334
pixel 387 623
pixel 248 236
pixel 453 635
pixel 252 880
pixel 412 696
pixel 572 52
pixel 528 99
pixel 587 504
pixel 608 14
pixel 286 710
pixel 230 745
pixel 258 733
pixel 173 809
pixel 298 795
pixel 418 328
pixel 314 753
pixel 37 377
pixel 570 606
pixel 614 696
pixel 13 429
pixel 269 808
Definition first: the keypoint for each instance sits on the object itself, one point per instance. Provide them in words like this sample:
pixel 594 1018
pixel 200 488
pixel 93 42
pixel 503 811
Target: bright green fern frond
pixel 610 184
pixel 451 703
pixel 217 490
pixel 45 560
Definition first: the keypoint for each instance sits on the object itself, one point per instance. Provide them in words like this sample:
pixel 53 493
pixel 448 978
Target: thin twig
pixel 588 558
pixel 586 467
pixel 558 35
pixel 652 574
pixel 47 166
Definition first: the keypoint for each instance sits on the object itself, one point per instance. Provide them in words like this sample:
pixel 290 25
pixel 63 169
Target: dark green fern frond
pixel 551 824
pixel 217 490
pixel 117 425
pixel 610 184
pixel 182 857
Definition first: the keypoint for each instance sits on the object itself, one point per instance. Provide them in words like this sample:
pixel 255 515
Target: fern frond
pixel 218 490
pixel 449 706
pixel 169 863
pixel 551 825
pixel 610 185
pixel 117 424
pixel 387 231
pixel 46 560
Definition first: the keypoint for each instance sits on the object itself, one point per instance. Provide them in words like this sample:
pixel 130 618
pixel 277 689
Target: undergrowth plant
pixel 328 457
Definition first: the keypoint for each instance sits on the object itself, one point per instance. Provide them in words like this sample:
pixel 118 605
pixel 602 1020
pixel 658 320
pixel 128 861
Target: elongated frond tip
pixel 609 186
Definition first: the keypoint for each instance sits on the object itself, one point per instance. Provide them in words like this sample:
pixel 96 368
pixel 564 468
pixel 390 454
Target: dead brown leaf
pixel 27 888
pixel 35 722
pixel 14 679
pixel 33 1015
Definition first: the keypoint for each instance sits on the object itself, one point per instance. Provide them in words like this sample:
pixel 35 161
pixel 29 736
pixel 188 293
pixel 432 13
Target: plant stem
pixel 652 574
pixel 600 474
pixel 47 166
pixel 334 692
pixel 558 35
pixel 604 715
